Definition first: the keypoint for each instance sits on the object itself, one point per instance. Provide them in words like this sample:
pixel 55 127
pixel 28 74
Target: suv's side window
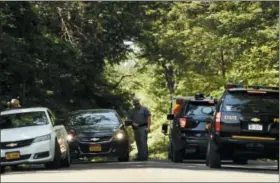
pixel 51 117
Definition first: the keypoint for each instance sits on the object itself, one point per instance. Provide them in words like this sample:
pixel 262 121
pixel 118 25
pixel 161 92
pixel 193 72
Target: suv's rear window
pixel 197 108
pixel 251 103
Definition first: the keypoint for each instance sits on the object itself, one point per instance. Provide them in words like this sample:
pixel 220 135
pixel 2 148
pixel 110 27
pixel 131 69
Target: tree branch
pixel 168 72
pixel 123 77
pixel 64 26
pixel 128 75
pixel 79 31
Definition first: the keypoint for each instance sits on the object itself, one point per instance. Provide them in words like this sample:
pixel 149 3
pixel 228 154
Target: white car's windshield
pixel 18 120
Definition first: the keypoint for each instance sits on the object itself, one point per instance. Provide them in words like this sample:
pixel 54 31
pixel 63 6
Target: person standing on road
pixel 141 124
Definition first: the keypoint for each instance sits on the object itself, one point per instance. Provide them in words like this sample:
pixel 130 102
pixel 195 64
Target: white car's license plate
pixel 256 127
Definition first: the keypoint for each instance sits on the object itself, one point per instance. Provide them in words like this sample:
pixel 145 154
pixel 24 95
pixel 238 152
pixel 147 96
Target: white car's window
pixel 23 120
pixel 51 117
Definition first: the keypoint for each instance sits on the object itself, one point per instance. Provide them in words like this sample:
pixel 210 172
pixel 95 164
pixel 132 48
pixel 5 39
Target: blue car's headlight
pixel 119 135
pixel 42 138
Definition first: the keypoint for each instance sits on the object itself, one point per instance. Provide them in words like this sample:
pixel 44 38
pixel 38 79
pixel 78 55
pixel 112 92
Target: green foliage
pixel 53 53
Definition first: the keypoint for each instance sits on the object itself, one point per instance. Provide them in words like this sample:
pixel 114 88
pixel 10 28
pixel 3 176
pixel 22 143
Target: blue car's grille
pixel 95 139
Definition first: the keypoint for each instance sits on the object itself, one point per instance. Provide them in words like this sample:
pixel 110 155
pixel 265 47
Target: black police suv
pixel 245 125
pixel 188 129
pixel 97 132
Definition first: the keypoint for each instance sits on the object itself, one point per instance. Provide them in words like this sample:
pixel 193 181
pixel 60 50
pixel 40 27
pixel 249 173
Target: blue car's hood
pixel 94 130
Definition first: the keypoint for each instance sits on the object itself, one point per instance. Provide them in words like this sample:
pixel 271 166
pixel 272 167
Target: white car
pixel 29 135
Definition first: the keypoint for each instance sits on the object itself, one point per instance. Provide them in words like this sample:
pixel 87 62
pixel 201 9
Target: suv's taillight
pixel 218 122
pixel 183 122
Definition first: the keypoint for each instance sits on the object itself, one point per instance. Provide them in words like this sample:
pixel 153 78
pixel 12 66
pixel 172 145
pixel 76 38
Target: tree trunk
pixel 169 77
pixel 223 64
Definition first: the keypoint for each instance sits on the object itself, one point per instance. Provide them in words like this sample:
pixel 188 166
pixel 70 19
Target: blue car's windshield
pixel 93 118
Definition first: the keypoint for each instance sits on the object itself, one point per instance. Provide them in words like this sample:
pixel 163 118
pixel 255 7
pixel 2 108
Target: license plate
pixel 12 156
pixel 95 148
pixel 255 127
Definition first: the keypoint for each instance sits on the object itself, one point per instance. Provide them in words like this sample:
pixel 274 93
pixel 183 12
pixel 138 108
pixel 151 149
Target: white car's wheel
pixel 66 162
pixel 56 163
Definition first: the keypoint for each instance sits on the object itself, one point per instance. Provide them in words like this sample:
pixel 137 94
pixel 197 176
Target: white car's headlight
pixel 42 138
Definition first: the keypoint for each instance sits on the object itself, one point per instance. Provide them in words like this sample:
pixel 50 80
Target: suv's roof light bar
pixel 182 97
pixel 263 87
pixel 228 86
pixel 199 96
pixel 179 100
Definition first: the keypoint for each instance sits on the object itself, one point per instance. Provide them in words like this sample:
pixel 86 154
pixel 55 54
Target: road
pixel 151 171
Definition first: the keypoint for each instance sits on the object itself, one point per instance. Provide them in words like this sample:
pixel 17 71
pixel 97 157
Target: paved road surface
pixel 151 171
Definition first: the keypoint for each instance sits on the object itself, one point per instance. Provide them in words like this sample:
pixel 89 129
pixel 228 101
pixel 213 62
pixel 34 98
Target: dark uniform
pixel 139 115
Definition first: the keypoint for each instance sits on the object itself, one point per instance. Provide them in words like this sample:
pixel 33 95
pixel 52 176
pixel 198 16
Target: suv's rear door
pixel 250 113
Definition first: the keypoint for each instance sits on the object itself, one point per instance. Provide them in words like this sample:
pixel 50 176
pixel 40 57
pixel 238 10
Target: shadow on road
pixel 262 168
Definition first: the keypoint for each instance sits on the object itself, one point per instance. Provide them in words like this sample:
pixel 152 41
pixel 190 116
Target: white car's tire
pixel 66 162
pixel 56 163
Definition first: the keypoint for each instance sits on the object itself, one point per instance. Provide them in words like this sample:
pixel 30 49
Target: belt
pixel 141 125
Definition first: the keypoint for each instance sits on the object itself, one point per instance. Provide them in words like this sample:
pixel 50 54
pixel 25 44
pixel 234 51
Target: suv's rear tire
pixel 56 163
pixel 177 156
pixel 240 161
pixel 213 157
